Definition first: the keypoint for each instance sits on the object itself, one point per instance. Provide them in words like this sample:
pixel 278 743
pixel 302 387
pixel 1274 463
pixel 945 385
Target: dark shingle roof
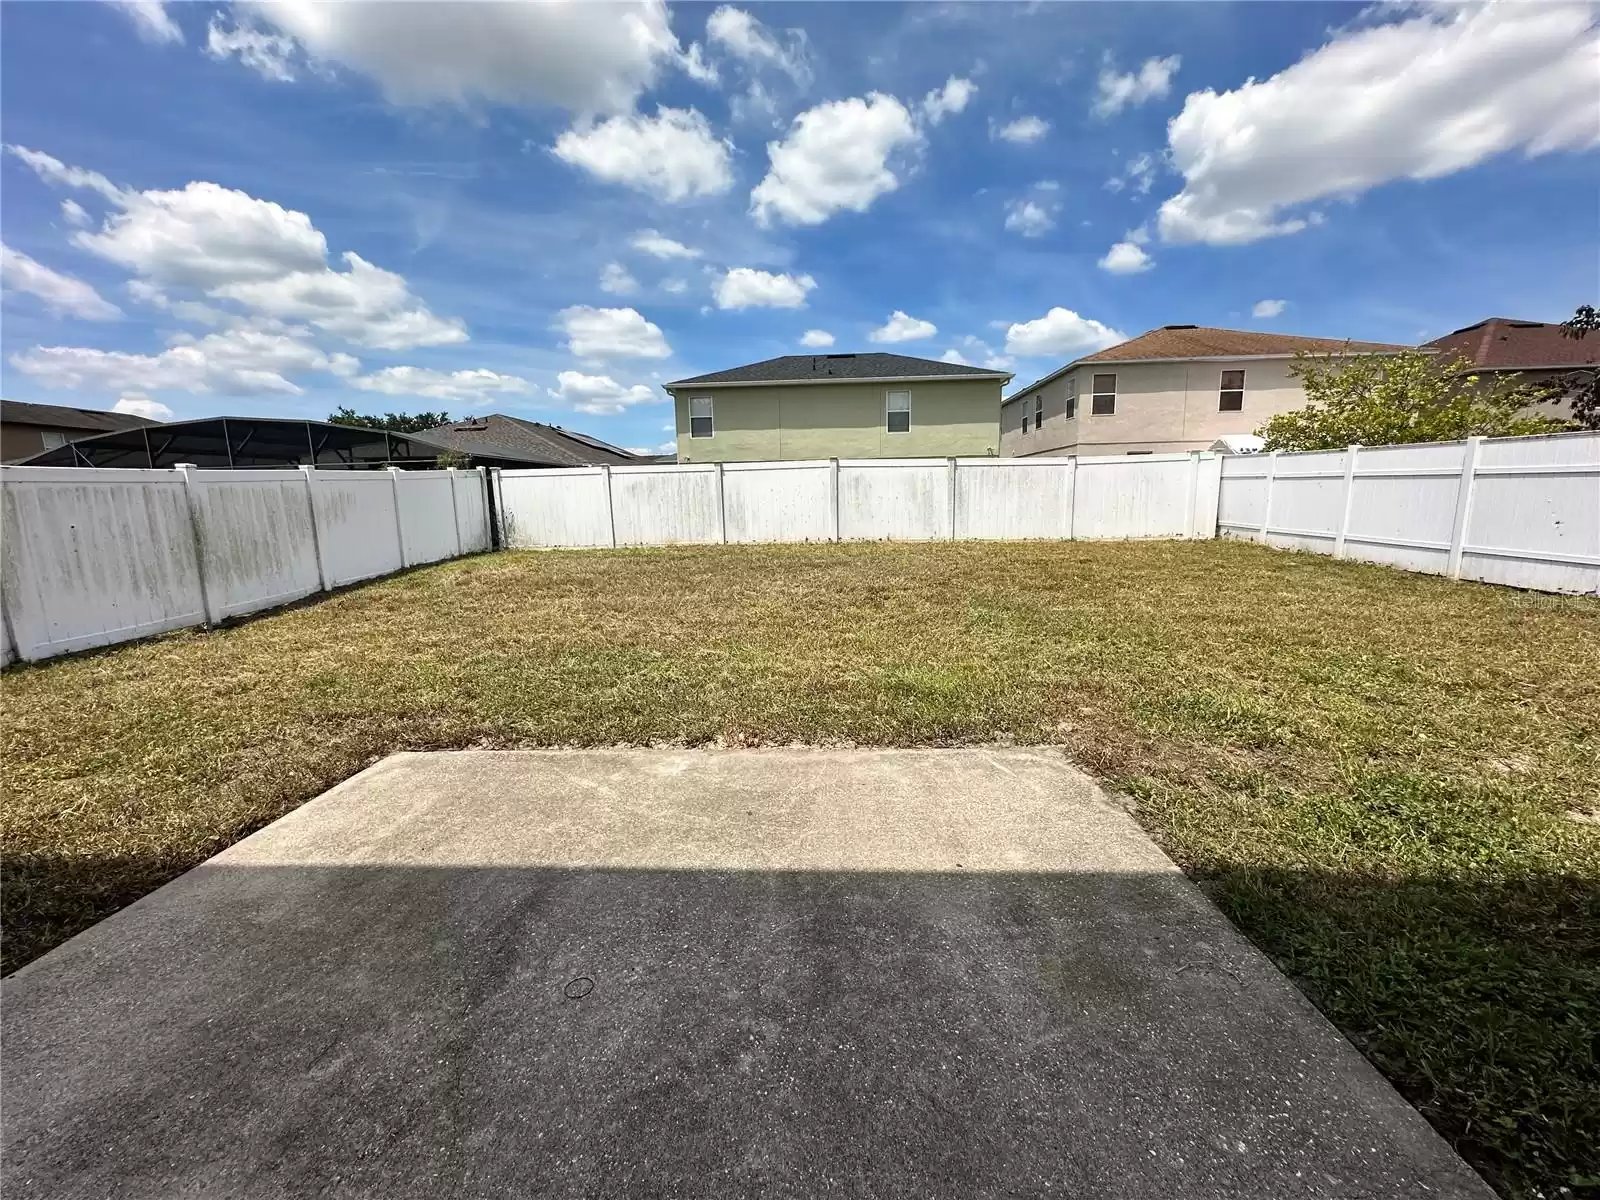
pixel 1504 344
pixel 500 436
pixel 57 416
pixel 825 368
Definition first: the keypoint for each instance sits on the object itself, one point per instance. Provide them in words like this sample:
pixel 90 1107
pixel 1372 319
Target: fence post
pixel 1192 502
pixel 833 494
pixel 1458 533
pixel 1072 497
pixel 722 509
pixel 399 523
pixel 611 506
pixel 324 580
pixel 1266 501
pixel 184 469
pixel 950 481
pixel 455 510
pixel 1349 496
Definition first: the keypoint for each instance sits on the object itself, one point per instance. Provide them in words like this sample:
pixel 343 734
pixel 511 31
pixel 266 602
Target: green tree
pixel 1413 396
pixel 393 422
pixel 1583 385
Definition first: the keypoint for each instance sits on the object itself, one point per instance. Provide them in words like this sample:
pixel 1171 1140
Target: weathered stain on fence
pixel 98 556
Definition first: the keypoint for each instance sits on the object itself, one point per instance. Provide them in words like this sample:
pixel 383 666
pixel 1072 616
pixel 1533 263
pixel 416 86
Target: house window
pixel 1232 392
pixel 1038 411
pixel 700 423
pixel 1105 395
pixel 898 413
pixel 52 439
pixel 1072 397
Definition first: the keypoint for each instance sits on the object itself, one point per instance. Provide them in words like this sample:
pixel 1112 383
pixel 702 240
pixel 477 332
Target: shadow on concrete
pixel 563 1031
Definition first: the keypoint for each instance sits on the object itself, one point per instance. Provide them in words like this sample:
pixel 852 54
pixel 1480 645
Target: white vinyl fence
pixel 94 556
pixel 1517 511
pixel 830 500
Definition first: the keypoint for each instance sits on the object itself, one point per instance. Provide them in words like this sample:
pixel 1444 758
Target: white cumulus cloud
pixel 562 53
pixel 270 55
pixel 460 387
pixel 901 327
pixel 1060 333
pixel 243 361
pixel 658 245
pixel 598 394
pixel 1415 99
pixel 151 19
pixel 611 333
pixel 816 339
pixel 1023 131
pixel 1030 218
pixel 1117 91
pixel 614 278
pixel 951 98
pixel 672 156
pixel 137 404
pixel 744 37
pixel 746 287
pixel 1126 258
pixel 63 295
pixel 1268 308
pixel 835 157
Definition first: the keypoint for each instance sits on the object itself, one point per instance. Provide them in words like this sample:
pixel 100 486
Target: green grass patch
pixel 1390 782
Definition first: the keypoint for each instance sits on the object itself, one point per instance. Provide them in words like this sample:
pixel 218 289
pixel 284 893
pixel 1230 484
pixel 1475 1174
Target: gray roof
pixel 825 368
pixel 57 416
pixel 500 436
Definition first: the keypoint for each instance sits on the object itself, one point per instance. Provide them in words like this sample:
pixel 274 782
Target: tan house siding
pixel 1161 407
pixel 841 420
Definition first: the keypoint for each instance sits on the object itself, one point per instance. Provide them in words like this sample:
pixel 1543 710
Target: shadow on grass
pixel 408 1030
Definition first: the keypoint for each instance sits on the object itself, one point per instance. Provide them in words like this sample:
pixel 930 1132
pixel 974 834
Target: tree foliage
pixel 1412 396
pixel 1582 386
pixel 392 422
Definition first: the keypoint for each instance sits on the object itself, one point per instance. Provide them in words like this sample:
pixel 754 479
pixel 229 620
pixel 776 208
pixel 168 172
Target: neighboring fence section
pixel 94 556
pixel 1517 511
pixel 910 499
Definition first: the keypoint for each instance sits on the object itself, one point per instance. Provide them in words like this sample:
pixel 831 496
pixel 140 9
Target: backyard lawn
pixel 1390 782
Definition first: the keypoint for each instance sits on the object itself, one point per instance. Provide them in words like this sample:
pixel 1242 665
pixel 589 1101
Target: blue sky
pixel 282 208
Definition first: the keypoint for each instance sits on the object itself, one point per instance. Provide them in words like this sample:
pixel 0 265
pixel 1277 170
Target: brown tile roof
pixel 1503 344
pixel 1200 341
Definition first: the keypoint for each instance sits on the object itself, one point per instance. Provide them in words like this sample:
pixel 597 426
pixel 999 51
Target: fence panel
pixel 665 505
pixel 1534 519
pixel 427 515
pixel 555 507
pixel 1008 499
pixel 895 499
pixel 1151 496
pixel 778 501
pixel 358 525
pixel 94 556
pixel 257 546
pixel 1517 511
pixel 472 510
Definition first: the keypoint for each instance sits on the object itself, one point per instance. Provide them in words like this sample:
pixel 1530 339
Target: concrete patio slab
pixel 669 973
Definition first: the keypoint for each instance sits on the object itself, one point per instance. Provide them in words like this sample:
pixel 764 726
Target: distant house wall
pixel 842 420
pixel 19 440
pixel 1161 407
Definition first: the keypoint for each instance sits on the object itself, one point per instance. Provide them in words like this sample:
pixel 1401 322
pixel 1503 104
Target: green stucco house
pixel 839 406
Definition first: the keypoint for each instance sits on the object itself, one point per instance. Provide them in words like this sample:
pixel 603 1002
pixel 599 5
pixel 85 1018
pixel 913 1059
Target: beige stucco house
pixel 838 406
pixel 1177 388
